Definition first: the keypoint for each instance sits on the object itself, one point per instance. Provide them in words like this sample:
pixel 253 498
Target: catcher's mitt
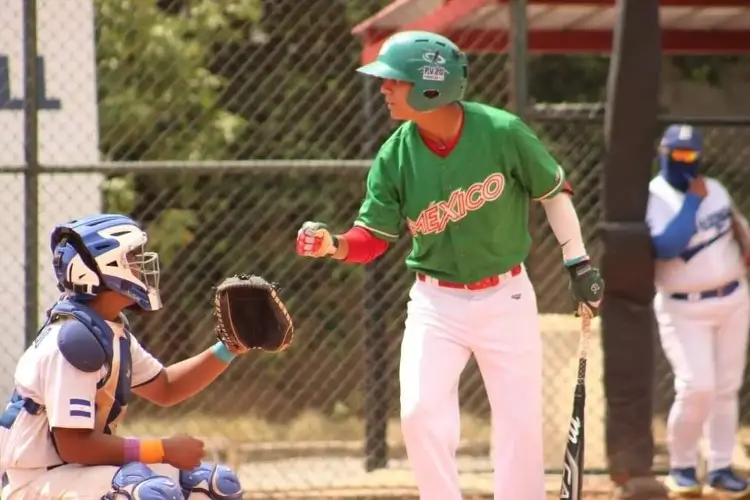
pixel 250 315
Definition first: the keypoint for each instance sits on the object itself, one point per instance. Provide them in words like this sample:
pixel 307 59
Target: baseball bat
pixel 572 475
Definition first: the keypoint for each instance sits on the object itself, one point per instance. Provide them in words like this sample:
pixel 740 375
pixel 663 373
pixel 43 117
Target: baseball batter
pixel 58 433
pixel 460 176
pixel 702 308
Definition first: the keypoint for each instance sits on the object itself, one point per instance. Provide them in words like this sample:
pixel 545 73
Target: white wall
pixel 68 130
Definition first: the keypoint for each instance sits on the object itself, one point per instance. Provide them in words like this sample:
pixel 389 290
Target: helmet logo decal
pixel 685 133
pixel 433 57
pixel 434 71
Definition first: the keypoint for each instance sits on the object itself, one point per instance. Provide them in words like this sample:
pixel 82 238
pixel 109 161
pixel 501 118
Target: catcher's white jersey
pixel 68 395
pixel 713 256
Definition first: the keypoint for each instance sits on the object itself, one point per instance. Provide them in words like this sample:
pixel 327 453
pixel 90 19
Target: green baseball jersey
pixel 468 213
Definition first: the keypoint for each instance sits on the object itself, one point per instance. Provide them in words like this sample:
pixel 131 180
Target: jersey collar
pixel 441 149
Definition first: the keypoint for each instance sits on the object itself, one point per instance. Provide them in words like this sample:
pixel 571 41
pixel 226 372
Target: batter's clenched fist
pixel 315 240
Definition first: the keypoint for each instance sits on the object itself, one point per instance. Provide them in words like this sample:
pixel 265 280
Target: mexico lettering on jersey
pixel 467 212
pixel 436 217
pixel 712 257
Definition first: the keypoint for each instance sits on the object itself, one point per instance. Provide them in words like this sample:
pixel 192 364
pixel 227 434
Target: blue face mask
pixel 678 174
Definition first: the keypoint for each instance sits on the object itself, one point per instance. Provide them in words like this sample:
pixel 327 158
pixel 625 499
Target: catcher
pixel 72 386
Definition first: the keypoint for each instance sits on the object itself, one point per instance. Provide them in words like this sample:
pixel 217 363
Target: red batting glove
pixel 315 240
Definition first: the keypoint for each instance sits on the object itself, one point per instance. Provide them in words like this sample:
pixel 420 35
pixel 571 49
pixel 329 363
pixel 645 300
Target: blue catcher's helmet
pixel 106 252
pixel 680 154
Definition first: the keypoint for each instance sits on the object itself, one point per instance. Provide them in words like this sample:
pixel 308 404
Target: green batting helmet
pixel 436 66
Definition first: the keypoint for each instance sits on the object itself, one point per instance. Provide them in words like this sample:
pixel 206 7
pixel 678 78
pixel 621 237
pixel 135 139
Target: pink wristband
pixel 132 450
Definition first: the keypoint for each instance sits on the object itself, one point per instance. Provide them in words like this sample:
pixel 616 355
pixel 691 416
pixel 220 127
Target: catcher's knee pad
pixel 136 481
pixel 218 482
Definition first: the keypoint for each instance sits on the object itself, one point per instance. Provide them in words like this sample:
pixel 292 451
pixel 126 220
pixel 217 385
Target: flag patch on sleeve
pixel 80 408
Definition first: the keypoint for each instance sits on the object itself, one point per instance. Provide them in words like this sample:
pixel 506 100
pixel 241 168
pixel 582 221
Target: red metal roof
pixel 562 26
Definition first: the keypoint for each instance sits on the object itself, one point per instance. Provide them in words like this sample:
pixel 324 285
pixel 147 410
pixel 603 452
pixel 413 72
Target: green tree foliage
pixel 158 100
pixel 206 80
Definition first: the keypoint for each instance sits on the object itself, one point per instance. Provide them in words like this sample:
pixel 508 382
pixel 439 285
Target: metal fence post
pixel 375 342
pixel 31 174
pixel 518 52
pixel 519 57
pixel 627 315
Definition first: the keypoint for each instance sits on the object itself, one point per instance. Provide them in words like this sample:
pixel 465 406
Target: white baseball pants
pixel 705 342
pixel 499 326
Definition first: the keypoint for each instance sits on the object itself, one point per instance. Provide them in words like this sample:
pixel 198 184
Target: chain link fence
pixel 223 126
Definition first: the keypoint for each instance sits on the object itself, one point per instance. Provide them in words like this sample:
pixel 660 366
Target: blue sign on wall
pixel 9 101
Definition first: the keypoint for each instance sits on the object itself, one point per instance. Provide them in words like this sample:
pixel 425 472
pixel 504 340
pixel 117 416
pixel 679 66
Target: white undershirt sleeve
pixel 564 222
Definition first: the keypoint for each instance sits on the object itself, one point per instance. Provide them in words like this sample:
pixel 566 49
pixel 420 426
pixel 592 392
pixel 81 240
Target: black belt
pixel 722 291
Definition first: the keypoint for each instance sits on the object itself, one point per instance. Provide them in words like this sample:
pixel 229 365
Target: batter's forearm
pixel 342 248
pixel 564 222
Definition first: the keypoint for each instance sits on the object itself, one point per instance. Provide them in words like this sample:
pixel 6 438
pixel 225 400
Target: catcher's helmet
pixel 435 65
pixel 106 252
pixel 680 152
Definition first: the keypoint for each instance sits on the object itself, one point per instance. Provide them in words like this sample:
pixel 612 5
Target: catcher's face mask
pixel 145 268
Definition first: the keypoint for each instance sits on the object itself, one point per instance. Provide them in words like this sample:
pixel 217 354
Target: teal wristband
pixel 577 260
pixel 222 353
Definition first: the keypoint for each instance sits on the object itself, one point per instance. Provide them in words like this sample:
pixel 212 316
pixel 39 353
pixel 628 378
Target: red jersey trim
pixel 438 148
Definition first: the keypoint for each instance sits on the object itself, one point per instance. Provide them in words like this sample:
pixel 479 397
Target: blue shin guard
pixel 218 482
pixel 136 481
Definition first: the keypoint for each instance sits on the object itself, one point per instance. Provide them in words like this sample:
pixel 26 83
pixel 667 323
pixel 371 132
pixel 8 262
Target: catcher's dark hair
pixel 77 243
